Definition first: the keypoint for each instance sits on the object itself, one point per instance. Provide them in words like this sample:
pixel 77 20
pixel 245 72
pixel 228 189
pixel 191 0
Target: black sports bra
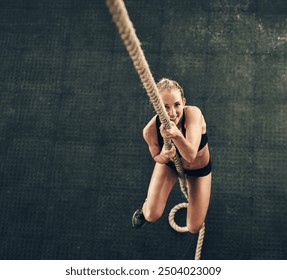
pixel 203 141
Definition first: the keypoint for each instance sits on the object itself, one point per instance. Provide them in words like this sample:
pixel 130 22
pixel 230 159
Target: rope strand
pixel 127 32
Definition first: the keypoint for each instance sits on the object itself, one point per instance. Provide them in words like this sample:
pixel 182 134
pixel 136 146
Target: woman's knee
pixel 194 227
pixel 152 215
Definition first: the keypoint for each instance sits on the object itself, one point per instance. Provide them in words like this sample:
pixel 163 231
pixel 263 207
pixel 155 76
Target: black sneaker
pixel 138 219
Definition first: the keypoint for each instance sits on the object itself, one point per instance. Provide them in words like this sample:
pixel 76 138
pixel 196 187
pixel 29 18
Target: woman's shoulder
pixel 194 115
pixel 150 128
pixel 192 111
pixel 152 123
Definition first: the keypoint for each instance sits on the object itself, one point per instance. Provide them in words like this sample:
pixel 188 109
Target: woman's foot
pixel 138 219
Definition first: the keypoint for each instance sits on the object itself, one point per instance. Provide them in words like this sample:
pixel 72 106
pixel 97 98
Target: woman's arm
pixel 159 154
pixel 188 145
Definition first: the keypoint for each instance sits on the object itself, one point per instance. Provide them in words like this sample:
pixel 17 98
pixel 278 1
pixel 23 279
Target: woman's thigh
pixel 199 189
pixel 161 184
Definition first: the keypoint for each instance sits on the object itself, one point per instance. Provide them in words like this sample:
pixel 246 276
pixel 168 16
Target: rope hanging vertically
pixel 127 32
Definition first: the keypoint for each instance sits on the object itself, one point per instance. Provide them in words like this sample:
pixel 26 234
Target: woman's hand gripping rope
pixel 169 133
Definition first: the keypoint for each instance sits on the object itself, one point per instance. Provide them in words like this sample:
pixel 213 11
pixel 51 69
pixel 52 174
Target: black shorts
pixel 201 172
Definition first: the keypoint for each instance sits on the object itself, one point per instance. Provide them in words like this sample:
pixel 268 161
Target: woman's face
pixel 173 103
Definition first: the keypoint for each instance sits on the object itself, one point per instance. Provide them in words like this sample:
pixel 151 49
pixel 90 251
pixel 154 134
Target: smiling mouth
pixel 173 119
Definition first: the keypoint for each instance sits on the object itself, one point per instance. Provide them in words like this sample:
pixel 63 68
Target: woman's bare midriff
pixel 200 161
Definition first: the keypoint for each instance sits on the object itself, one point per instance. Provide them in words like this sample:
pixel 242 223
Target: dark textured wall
pixel 73 164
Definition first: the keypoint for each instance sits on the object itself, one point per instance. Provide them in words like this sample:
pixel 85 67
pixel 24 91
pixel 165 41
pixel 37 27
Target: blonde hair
pixel 169 84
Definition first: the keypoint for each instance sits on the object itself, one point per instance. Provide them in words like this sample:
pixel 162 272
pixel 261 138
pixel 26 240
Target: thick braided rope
pixel 172 214
pixel 126 30
pixel 184 229
pixel 200 242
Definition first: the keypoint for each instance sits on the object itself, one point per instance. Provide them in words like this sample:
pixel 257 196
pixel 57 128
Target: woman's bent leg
pixel 161 183
pixel 199 189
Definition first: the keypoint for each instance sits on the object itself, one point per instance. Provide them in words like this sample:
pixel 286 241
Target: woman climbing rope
pixel 188 134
